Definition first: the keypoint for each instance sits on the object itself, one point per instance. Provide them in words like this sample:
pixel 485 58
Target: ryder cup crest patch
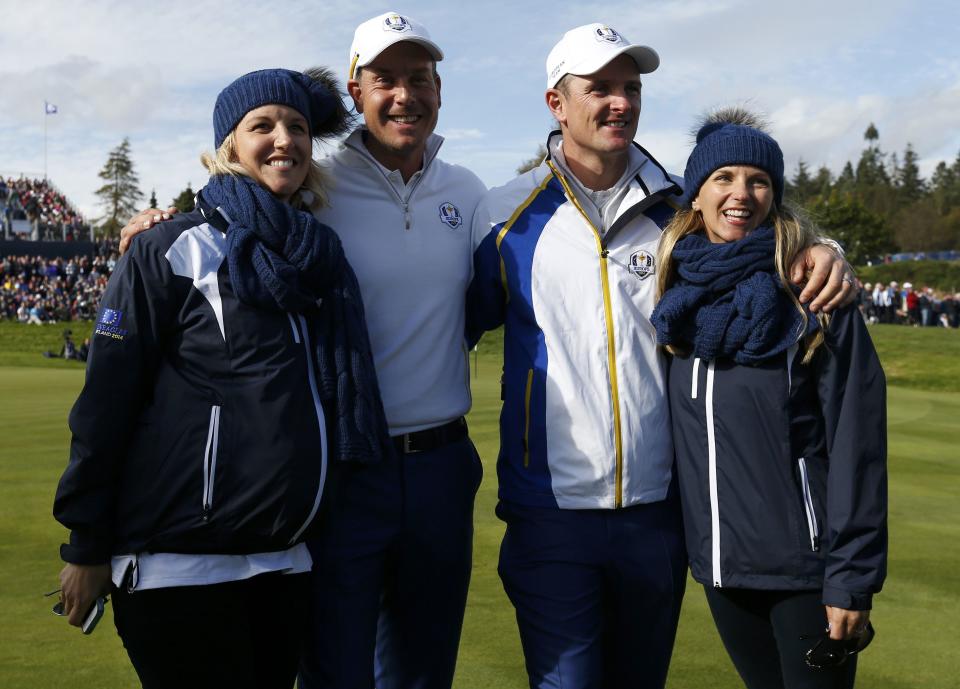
pixel 450 214
pixel 395 22
pixel 605 33
pixel 641 264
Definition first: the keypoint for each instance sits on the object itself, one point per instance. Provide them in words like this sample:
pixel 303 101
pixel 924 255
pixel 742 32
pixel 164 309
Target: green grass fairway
pixel 917 615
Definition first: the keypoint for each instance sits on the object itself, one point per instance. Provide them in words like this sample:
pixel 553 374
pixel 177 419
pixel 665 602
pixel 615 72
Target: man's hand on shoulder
pixel 144 220
pixel 830 281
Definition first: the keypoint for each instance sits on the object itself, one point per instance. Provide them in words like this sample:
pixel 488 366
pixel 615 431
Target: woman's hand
pixel 80 586
pixel 845 624
pixel 830 280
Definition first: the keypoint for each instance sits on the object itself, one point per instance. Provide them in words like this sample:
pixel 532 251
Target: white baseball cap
pixel 590 47
pixel 376 35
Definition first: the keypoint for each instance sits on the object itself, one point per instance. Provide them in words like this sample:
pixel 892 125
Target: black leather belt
pixel 431 438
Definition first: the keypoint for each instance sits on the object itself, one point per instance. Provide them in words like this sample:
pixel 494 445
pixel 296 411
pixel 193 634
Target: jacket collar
pixel 362 156
pixel 648 185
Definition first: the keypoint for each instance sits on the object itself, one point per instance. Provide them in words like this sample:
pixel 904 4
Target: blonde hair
pixel 794 232
pixel 224 162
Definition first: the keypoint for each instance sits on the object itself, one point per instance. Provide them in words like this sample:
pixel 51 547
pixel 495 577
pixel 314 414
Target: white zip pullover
pixel 410 248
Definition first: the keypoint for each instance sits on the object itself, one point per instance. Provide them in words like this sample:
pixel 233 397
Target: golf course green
pixel 917 616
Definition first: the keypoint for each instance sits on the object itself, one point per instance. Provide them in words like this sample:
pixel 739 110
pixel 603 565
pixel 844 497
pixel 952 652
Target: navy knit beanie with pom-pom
pixel 312 98
pixel 732 137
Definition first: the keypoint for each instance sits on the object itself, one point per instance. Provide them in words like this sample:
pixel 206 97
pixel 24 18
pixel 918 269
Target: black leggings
pixel 241 634
pixel 761 631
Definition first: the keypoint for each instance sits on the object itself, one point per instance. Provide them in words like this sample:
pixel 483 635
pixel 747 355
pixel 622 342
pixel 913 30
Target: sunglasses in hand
pixel 827 653
pixel 92 617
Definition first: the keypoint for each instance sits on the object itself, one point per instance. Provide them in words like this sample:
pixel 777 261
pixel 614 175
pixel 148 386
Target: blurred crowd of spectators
pixel 34 289
pixel 41 209
pixel 903 304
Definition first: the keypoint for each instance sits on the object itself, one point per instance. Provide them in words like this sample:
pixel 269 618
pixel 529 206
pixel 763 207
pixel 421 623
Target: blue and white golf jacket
pixel 200 428
pixel 585 422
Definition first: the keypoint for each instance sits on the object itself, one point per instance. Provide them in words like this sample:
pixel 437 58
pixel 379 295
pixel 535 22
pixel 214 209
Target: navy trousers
pixel 762 631
pixel 391 572
pixel 597 592
pixel 240 634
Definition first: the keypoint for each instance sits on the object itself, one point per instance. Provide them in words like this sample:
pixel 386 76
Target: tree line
pixel 882 204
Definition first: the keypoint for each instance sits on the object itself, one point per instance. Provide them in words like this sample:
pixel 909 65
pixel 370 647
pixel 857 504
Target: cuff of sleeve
pixel 85 548
pixel 826 241
pixel 847 600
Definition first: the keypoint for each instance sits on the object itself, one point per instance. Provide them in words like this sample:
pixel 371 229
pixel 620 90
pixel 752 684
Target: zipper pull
pixel 604 253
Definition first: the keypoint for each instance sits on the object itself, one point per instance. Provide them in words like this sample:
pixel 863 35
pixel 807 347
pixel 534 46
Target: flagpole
pixel 45 116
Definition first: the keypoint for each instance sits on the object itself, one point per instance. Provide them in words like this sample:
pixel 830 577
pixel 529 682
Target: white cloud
pixel 459 134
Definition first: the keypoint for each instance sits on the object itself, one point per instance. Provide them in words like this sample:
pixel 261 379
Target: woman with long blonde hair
pixel 778 422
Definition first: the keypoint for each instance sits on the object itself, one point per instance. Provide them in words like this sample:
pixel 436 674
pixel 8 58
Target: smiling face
pixel 733 201
pixel 598 112
pixel 273 145
pixel 399 96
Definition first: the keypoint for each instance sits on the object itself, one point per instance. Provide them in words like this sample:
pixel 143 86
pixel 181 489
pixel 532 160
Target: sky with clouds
pixel 820 71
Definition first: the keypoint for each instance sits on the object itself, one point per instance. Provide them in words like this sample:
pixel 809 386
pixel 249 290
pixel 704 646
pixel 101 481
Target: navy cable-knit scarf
pixel 728 301
pixel 284 259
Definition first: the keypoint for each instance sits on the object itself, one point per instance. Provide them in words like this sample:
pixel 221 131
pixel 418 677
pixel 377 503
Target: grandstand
pixel 51 270
pixel 34 209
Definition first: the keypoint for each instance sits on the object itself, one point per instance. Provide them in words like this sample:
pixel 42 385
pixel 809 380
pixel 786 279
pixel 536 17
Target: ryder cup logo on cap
pixel 395 22
pixel 605 33
pixel 591 47
pixel 376 35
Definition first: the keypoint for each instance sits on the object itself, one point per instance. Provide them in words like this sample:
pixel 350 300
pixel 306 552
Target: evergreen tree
pixel 184 201
pixel 944 188
pixel 531 163
pixel 864 235
pixel 847 180
pixel 153 198
pixel 803 186
pixel 119 194
pixel 823 182
pixel 910 185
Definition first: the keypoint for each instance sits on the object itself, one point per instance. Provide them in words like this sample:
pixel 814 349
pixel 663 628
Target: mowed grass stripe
pixel 918 613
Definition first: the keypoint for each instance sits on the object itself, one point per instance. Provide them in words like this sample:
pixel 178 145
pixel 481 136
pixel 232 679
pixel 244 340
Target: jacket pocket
pixel 526 418
pixel 812 528
pixel 210 459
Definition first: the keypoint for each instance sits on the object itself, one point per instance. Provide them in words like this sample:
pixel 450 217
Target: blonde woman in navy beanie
pixel 230 366
pixel 778 421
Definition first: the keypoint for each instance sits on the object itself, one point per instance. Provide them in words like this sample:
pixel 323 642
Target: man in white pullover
pixel 392 571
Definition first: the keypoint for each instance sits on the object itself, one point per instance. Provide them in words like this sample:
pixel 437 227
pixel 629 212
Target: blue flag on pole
pixel 49 108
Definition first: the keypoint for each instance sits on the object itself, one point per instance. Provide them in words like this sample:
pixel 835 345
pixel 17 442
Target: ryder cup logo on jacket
pixel 450 214
pixel 641 264
pixel 395 22
pixel 605 33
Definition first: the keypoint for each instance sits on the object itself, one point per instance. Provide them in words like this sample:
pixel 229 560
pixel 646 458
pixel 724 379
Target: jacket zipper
pixel 603 254
pixel 714 494
pixel 321 421
pixel 526 419
pixel 210 460
pixel 812 527
pixel 293 327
